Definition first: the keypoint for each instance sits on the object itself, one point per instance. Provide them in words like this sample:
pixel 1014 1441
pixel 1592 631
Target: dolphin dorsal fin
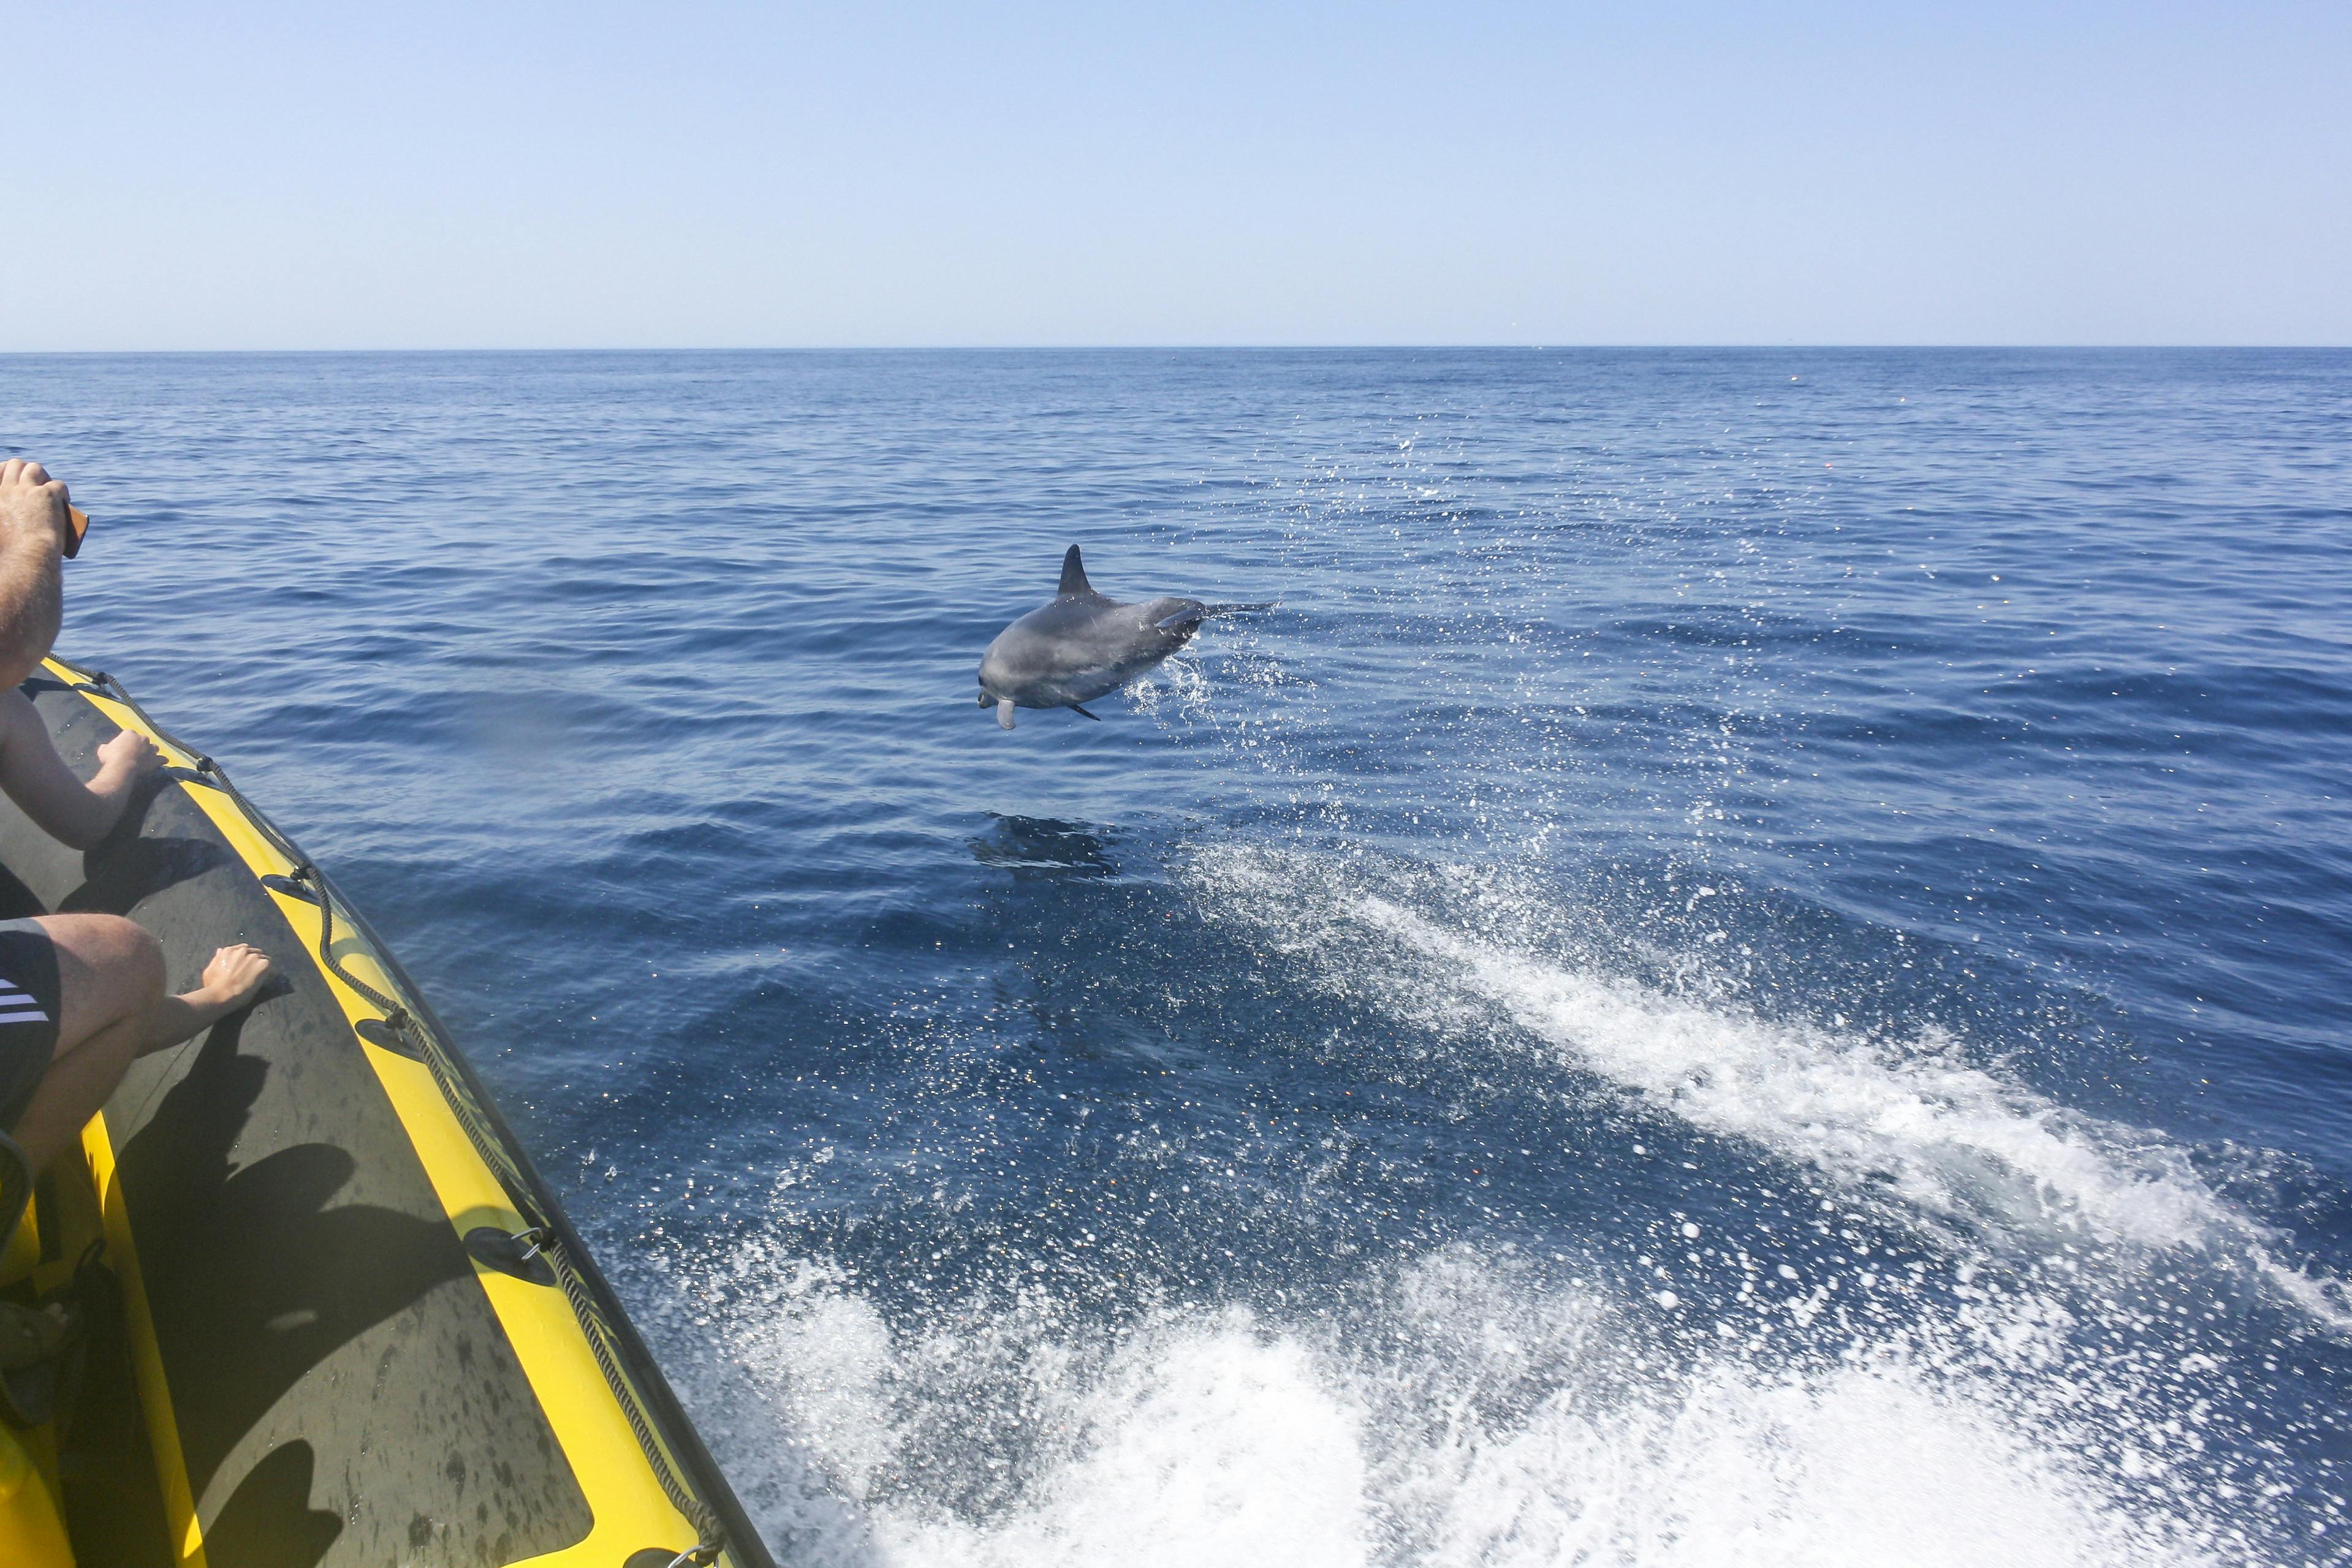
pixel 1073 575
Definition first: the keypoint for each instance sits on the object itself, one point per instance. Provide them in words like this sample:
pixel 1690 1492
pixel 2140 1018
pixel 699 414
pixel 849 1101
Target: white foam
pixel 1210 1438
pixel 829 1355
pixel 1861 1468
pixel 1217 1445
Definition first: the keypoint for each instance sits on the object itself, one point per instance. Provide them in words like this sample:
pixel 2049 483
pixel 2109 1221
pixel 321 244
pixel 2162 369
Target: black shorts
pixel 28 1015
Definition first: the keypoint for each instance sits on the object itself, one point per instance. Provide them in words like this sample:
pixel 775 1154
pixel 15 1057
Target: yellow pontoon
pixel 323 1313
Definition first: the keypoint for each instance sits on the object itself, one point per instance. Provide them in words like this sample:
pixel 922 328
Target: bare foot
pixel 231 979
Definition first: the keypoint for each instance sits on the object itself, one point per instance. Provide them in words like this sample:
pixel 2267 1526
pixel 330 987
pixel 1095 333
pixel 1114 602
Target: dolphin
pixel 1083 644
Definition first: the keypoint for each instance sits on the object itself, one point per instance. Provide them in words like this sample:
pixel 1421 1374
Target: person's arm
pixel 31 588
pixel 32 530
pixel 76 814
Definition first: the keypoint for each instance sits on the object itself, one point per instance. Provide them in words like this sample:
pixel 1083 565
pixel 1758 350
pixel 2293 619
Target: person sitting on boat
pixel 80 995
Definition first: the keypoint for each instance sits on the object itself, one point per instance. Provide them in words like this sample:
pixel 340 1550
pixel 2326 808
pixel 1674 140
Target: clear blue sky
pixel 526 173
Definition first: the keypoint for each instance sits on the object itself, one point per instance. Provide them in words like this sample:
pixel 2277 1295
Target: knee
pixel 128 954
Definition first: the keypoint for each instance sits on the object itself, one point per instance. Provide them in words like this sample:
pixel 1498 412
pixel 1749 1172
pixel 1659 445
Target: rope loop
pixel 394 1015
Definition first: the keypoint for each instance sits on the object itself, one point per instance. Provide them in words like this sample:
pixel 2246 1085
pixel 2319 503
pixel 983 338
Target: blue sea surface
pixel 1755 966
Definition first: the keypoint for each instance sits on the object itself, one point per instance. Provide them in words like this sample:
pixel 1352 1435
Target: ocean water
pixel 1752 968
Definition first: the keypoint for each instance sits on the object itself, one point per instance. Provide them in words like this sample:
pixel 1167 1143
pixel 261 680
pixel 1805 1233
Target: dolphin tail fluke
pixel 1073 575
pixel 1082 713
pixel 1238 609
pixel 1004 713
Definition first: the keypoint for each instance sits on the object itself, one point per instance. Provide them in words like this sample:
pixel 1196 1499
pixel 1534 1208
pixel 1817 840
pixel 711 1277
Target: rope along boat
pixel 313 1306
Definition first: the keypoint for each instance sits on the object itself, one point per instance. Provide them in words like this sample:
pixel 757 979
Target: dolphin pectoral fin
pixel 1081 712
pixel 1188 616
pixel 1004 713
pixel 1074 576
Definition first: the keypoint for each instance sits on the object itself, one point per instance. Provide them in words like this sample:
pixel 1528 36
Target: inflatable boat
pixel 302 1302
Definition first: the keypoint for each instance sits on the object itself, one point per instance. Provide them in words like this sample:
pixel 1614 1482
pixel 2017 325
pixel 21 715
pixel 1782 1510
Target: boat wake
pixel 1467 1410
pixel 1913 1122
pixel 1930 1315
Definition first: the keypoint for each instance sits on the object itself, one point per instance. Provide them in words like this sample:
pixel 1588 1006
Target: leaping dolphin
pixel 1083 644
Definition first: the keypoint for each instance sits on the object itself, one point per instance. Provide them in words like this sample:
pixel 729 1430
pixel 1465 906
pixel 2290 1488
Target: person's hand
pixel 129 756
pixel 31 502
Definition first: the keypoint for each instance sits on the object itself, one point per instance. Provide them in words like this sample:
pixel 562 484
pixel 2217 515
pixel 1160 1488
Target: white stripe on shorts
pixel 16 1006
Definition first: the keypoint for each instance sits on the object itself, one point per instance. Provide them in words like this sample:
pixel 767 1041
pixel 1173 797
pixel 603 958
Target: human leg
pixel 228 983
pixel 104 977
pixel 76 1084
pixel 110 1008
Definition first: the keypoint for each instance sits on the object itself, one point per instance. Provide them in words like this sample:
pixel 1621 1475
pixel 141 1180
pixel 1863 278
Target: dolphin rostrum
pixel 1083 644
